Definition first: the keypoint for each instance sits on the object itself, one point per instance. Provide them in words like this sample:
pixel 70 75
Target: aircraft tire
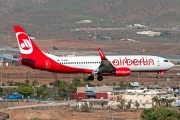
pixel 91 77
pixel 158 77
pixel 100 78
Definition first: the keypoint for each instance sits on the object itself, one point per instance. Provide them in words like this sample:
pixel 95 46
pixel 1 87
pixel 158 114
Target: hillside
pixel 58 16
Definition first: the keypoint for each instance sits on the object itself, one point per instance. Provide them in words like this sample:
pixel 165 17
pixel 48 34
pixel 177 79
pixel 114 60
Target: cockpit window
pixel 166 61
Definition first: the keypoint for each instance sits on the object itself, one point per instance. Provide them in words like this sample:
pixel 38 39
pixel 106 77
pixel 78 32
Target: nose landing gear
pixel 158 77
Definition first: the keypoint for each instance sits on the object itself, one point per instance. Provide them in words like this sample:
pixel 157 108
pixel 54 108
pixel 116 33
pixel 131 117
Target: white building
pixel 138 26
pixel 85 21
pixel 149 33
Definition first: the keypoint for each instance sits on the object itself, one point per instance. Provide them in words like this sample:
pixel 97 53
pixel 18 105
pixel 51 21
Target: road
pixel 49 104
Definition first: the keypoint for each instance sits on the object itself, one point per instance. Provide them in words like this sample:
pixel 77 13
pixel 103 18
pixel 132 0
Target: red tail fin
pixel 27 47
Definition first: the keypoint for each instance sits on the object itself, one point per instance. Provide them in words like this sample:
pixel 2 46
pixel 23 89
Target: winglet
pixel 46 51
pixel 103 57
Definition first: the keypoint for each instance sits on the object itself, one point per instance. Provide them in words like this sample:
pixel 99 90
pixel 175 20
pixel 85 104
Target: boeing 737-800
pixel 120 65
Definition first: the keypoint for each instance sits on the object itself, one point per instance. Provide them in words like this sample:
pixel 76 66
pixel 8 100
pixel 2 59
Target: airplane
pixel 116 65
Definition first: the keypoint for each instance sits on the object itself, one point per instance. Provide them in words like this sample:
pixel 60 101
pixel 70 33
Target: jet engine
pixel 121 72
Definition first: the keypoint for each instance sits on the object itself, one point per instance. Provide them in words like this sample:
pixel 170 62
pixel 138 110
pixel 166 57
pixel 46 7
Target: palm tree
pixel 55 86
pixel 164 113
pixel 44 86
pixel 169 101
pixel 156 100
pixel 129 104
pixel 35 83
pixel 163 101
pixel 122 104
pixel 62 85
pixel 148 114
pixel 7 91
pixel 63 89
pixel 45 94
pixel 26 82
pixel 55 83
pixel 160 113
pixel 137 104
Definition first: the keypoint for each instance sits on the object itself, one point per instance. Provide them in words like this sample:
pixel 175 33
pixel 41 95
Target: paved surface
pixel 50 104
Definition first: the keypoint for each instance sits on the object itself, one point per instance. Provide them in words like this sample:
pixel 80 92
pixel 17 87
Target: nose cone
pixel 171 65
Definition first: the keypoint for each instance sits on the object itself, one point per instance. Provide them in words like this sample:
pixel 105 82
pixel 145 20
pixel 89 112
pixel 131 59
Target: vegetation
pixel 25 90
pixel 122 104
pixel 34 84
pixel 55 48
pixel 162 101
pixel 160 113
pixel 1 91
pixel 62 88
pixel 137 104
pixel 123 85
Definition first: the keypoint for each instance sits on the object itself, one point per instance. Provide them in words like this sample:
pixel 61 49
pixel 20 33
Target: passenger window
pixel 165 60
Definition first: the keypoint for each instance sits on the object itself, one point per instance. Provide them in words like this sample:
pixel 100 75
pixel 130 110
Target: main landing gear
pixel 100 78
pixel 91 78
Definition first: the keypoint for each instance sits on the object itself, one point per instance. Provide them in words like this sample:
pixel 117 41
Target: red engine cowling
pixel 121 72
pixel 162 72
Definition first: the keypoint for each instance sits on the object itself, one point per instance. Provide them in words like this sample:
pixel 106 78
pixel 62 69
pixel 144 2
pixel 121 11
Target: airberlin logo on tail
pixel 24 43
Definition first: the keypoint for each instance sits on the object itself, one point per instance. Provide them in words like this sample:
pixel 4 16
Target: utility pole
pixel 177 82
pixel 179 42
pixel 37 35
pixel 138 77
pixel 9 37
pixel 95 35
pixel 1 73
pixel 74 114
pixel 98 23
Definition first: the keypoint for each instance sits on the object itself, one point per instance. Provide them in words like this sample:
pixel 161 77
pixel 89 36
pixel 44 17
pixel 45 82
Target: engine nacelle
pixel 162 72
pixel 121 72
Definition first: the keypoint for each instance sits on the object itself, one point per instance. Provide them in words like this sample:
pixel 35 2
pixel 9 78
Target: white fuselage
pixel 139 63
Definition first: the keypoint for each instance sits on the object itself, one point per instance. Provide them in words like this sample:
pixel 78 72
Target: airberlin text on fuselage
pixel 134 62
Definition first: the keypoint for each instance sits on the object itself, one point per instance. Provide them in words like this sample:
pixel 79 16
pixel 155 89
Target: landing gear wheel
pixel 91 77
pixel 100 78
pixel 158 77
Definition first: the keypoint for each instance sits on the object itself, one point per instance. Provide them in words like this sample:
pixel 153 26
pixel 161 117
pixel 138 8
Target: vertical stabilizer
pixel 27 47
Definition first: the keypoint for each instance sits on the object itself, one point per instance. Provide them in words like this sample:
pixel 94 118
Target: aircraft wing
pixel 105 65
